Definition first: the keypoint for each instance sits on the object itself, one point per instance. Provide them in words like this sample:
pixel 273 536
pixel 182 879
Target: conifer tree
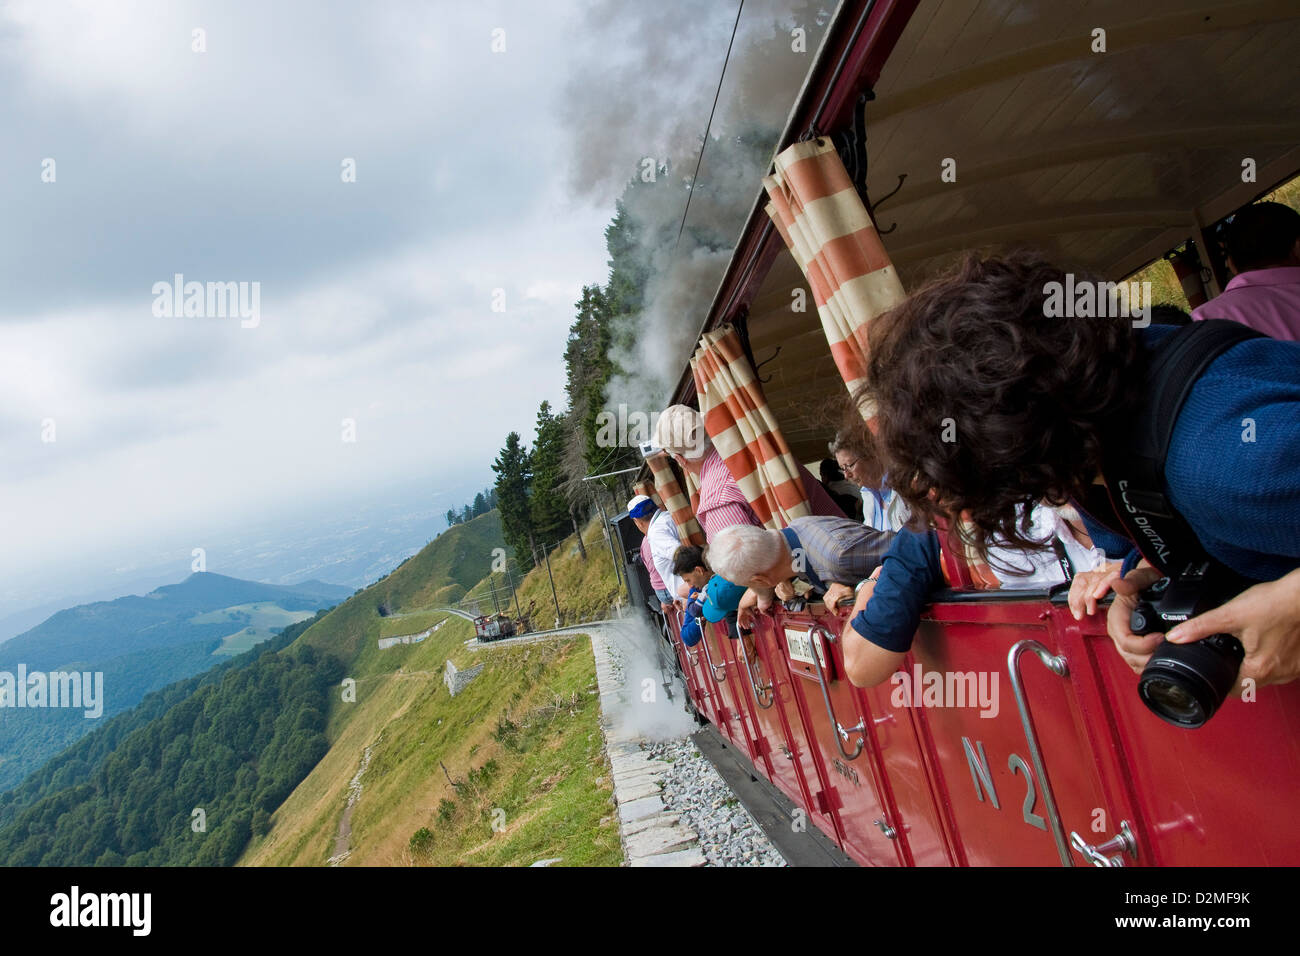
pixel 513 468
pixel 548 506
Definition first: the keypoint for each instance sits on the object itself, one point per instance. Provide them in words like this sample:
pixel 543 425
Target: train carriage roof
pixel 1104 159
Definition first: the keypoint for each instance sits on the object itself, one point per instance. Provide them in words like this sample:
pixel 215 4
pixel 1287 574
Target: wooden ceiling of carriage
pixel 1104 160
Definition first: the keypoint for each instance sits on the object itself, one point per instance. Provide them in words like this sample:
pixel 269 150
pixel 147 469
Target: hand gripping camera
pixel 1185 684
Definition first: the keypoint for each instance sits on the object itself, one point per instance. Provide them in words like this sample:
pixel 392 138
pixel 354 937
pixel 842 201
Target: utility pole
pixel 493 588
pixel 609 537
pixel 513 593
pixel 552 579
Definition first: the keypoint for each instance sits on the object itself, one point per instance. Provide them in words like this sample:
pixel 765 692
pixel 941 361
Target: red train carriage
pixel 1108 149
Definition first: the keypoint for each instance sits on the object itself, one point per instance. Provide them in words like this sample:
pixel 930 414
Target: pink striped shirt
pixel 656 581
pixel 722 503
pixel 1265 299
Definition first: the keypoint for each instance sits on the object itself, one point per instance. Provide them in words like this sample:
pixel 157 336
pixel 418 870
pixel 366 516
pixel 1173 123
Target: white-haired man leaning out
pixel 831 555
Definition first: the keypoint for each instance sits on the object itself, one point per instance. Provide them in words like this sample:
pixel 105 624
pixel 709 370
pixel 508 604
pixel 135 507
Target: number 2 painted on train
pixel 1016 762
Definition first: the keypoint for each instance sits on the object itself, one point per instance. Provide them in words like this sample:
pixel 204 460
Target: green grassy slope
pixel 510 771
pixel 461 556
pixel 586 590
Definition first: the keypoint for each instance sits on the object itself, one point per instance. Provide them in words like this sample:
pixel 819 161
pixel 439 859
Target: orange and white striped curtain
pixel 744 431
pixel 675 501
pixel 831 236
pixel 647 489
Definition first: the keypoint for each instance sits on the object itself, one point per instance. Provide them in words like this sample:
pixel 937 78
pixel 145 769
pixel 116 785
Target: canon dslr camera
pixel 1185 683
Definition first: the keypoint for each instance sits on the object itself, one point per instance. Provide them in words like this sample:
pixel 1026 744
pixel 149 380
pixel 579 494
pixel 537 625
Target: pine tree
pixel 451 517
pixel 513 468
pixel 480 505
pixel 548 507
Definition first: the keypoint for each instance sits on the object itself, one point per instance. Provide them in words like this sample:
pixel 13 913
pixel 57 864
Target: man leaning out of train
pixel 988 400
pixel 830 555
pixel 658 530
pixel 690 568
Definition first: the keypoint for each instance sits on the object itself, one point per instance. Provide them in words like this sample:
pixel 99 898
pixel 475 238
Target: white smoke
pixel 642 708
pixel 667 85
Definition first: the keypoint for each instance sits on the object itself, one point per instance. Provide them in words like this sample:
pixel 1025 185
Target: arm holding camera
pixel 1136 649
pixel 1089 587
pixel 1266 619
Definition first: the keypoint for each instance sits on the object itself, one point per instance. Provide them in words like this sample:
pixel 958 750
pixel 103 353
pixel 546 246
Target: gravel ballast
pixel 728 835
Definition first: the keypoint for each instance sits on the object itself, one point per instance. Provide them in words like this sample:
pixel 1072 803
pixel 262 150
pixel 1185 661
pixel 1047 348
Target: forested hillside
pixel 189 785
pixel 233 743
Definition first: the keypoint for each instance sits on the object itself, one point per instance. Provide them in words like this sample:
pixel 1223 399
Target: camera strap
pixel 1136 448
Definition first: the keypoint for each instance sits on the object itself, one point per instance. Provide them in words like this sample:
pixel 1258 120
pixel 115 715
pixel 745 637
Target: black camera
pixel 1185 684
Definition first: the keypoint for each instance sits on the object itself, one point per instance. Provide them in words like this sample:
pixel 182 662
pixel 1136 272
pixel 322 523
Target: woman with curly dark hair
pixel 989 400
pixel 984 405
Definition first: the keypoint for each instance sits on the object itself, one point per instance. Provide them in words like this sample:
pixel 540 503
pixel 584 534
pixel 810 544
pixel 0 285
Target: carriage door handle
pixel 1122 841
pixel 842 732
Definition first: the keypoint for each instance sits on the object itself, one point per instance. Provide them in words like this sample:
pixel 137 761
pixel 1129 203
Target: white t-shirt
pixel 663 545
pixel 1023 570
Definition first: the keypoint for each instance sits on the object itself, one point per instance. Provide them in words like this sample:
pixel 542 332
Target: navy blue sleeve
pixel 1116 546
pixel 908 575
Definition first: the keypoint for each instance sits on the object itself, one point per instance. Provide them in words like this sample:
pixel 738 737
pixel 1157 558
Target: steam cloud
pixel 634 646
pixel 674 68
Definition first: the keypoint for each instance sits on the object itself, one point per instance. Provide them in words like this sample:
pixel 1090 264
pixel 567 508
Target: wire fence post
pixel 547 554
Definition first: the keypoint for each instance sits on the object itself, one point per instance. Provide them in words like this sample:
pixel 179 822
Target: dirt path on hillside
pixel 343 841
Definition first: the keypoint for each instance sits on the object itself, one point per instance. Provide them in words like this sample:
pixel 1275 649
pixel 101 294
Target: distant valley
pixel 140 644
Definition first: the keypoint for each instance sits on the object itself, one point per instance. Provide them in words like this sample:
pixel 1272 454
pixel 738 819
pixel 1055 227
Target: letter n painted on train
pixel 979 771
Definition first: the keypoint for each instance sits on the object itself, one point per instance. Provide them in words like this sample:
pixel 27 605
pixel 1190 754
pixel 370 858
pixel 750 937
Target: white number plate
pixel 801 646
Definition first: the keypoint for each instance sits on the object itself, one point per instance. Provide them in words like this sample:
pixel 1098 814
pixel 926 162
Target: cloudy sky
pixel 481 176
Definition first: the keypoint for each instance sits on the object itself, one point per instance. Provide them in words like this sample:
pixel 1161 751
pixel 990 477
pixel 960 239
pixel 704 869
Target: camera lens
pixel 1185 684
pixel 1173 701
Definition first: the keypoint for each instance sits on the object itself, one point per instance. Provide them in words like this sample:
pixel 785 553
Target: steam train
pixel 493 627
pixel 1107 153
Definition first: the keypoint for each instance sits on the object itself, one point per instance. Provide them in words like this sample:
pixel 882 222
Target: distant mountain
pixel 161 618
pixel 235 741
pixel 138 644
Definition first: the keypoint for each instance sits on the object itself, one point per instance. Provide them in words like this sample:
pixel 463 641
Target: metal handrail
pixel 843 735
pixel 759 691
pixel 1055 663
pixel 708 656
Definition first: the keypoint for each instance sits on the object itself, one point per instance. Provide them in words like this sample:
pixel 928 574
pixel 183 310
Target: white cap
pixel 680 430
pixel 637 502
